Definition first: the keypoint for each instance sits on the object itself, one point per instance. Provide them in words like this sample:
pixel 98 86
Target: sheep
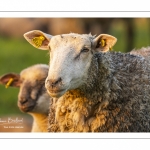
pixel 32 98
pixel 95 90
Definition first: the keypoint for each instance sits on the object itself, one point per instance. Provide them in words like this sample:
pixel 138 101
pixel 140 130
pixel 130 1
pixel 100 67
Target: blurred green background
pixel 16 53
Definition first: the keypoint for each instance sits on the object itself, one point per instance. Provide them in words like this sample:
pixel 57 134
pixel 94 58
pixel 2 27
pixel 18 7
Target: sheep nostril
pixel 22 100
pixel 54 83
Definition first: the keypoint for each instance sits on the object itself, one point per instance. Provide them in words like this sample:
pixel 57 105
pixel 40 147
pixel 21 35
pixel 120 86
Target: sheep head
pixel 70 57
pixel 32 95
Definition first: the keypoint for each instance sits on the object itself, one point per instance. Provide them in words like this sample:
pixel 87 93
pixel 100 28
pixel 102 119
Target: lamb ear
pixel 38 39
pixel 10 79
pixel 104 42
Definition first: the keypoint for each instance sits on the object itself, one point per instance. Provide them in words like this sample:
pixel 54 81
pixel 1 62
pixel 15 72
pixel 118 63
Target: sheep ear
pixel 38 39
pixel 104 42
pixel 10 79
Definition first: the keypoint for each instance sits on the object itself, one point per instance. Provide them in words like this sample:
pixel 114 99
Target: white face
pixel 70 58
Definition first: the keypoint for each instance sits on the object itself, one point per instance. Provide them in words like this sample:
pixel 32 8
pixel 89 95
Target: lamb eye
pixel 84 50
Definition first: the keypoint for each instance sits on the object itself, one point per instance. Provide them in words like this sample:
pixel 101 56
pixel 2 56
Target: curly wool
pixel 114 98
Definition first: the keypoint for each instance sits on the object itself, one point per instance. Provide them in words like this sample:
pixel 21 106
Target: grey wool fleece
pixel 114 98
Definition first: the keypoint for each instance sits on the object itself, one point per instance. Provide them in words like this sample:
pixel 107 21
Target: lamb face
pixel 32 97
pixel 70 58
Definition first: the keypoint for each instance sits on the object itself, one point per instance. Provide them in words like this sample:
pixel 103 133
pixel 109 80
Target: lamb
pixel 95 90
pixel 32 98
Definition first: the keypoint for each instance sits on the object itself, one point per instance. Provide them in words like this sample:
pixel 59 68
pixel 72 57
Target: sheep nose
pixel 23 100
pixel 53 82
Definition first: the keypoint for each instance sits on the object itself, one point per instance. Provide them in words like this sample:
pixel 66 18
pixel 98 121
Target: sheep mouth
pixel 26 108
pixel 56 93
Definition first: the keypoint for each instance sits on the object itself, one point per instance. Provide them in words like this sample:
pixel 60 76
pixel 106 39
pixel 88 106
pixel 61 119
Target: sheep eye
pixel 84 50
